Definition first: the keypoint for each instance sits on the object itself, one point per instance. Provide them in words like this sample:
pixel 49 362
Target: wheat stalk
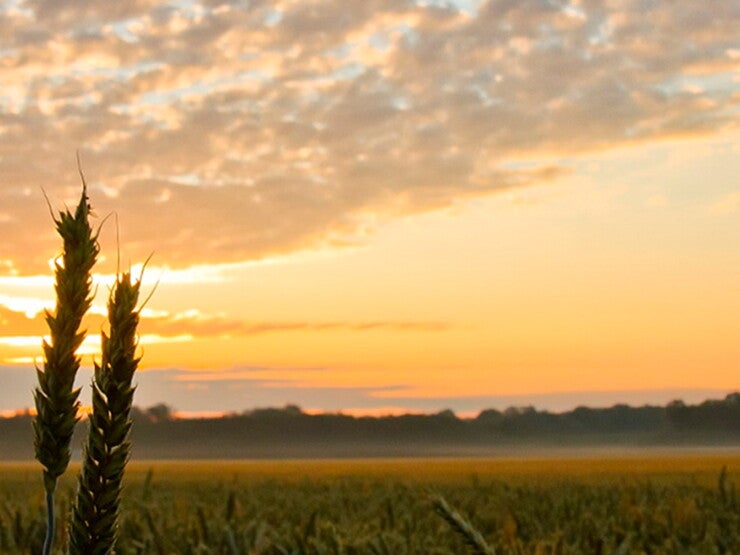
pixel 473 538
pixel 55 397
pixel 95 515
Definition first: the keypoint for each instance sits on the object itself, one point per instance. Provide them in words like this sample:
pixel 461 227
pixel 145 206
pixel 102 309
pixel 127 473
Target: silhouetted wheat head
pixel 55 396
pixel 94 521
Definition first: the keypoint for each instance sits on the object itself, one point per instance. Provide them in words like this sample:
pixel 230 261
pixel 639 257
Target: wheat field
pixel 656 504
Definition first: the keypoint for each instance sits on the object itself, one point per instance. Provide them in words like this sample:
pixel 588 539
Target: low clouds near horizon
pixel 16 324
pixel 239 389
pixel 225 131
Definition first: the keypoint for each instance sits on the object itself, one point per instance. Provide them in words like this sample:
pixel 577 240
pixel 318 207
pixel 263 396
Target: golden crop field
pixel 629 504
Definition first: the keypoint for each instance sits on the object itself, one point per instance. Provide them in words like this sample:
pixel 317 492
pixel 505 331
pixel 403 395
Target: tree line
pixel 289 431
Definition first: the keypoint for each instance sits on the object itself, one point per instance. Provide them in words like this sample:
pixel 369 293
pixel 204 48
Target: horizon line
pixel 371 412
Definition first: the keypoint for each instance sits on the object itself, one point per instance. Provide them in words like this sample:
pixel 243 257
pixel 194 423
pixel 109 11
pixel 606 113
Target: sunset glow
pixel 383 206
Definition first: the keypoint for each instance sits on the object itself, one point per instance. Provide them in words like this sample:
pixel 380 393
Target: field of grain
pixel 657 504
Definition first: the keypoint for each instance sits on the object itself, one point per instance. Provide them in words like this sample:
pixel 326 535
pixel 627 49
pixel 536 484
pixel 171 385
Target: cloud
pixel 728 204
pixel 657 200
pixel 230 131
pixel 247 387
pixel 252 387
pixel 202 325
pixel 22 326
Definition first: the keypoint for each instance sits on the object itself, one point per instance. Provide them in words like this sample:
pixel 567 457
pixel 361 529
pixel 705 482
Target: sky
pixel 379 206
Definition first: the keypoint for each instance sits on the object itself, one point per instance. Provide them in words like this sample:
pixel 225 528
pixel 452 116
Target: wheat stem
pixel 49 539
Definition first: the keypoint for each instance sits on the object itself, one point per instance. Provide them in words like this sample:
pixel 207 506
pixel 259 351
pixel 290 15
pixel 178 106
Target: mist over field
pixel 712 426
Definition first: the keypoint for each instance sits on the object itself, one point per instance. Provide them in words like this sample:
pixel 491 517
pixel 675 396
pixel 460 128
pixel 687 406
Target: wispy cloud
pixel 727 205
pixel 208 326
pixel 231 131
pixel 23 325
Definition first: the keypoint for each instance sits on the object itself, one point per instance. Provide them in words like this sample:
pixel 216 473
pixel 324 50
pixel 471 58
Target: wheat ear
pixel 55 397
pixel 463 527
pixel 95 515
